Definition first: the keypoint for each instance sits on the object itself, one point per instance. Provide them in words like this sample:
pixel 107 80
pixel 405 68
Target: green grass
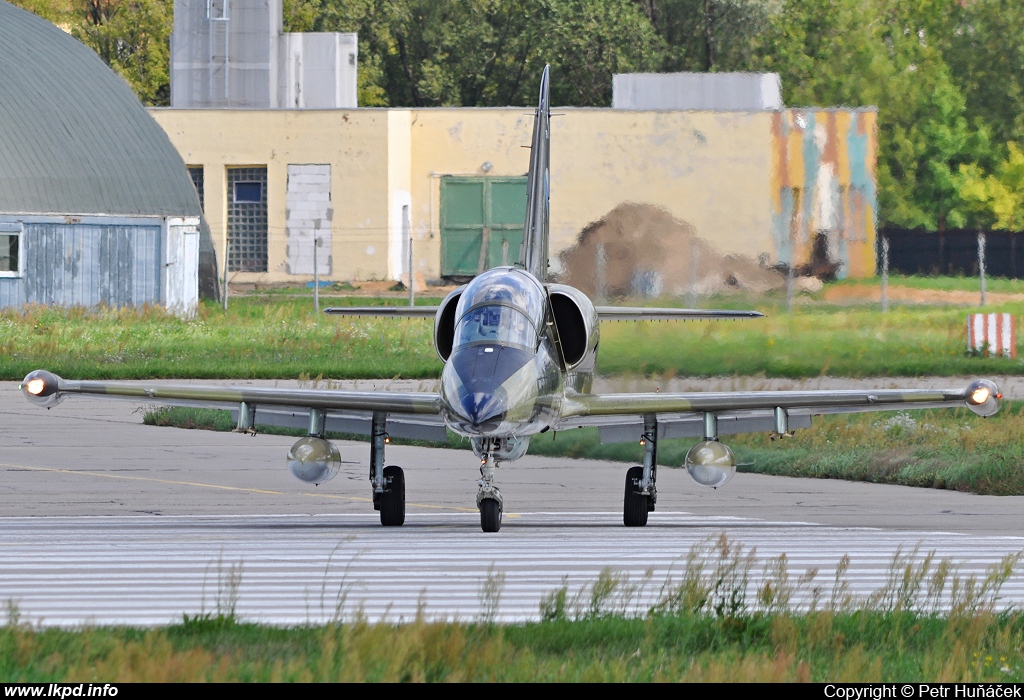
pixel 721 617
pixel 256 338
pixel 816 648
pixel 964 284
pixel 277 337
pixel 813 341
pixel 944 449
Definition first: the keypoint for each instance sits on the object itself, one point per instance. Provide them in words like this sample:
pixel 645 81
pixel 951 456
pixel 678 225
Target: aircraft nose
pixel 483 410
pixel 475 389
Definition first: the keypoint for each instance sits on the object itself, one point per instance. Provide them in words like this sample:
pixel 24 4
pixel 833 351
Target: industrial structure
pixel 96 206
pixel 236 55
pixel 290 172
pixel 762 184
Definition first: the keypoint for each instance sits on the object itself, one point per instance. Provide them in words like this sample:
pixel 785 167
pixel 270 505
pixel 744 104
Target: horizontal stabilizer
pixel 640 313
pixel 384 311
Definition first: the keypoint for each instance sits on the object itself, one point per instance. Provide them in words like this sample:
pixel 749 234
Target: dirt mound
pixel 647 252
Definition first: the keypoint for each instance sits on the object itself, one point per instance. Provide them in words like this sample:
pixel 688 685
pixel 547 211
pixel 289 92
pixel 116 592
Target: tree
pixel 586 42
pixel 488 52
pixel 888 53
pixel 984 47
pixel 131 36
pixel 708 35
pixel 992 201
pixel 431 53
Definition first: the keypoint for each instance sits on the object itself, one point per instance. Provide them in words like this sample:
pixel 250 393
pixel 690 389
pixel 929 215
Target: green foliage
pixel 255 338
pixel 710 35
pixel 486 52
pixel 985 52
pixel 586 42
pixel 814 340
pixel 931 449
pixel 995 200
pixel 946 76
pixel 131 36
pixel 279 337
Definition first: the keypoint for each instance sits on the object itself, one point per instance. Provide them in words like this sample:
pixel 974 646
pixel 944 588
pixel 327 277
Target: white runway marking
pixel 66 571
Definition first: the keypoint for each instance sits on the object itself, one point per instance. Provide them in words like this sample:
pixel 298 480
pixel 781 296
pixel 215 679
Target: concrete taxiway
pixel 104 520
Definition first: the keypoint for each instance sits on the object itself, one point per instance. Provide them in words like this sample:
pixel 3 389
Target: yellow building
pixel 362 181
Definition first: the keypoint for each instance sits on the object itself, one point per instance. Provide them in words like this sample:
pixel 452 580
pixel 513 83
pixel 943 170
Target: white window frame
pixel 16 230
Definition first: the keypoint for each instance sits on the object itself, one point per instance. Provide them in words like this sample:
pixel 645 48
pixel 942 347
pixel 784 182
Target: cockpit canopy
pixel 503 306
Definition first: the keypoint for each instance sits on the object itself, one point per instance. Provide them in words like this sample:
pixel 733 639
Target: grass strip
pixel 279 337
pixel 722 617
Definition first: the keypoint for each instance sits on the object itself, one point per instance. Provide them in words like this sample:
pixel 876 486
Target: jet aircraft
pixel 519 354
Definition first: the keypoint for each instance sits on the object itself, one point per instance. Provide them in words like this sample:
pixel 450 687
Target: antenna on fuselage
pixel 534 254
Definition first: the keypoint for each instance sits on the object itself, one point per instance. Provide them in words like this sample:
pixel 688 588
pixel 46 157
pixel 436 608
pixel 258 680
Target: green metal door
pixel 481 223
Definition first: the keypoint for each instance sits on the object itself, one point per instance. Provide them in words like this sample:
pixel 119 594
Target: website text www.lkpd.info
pixel 61 690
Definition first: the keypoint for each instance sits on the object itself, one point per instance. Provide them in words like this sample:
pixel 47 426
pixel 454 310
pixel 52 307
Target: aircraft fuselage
pixel 504 377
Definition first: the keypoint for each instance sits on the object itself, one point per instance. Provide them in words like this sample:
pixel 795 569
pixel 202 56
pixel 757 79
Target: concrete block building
pixel 286 169
pixel 762 184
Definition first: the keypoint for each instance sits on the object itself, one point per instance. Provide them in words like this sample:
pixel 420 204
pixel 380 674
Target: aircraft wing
pixel 619 416
pixel 46 385
pixel 414 415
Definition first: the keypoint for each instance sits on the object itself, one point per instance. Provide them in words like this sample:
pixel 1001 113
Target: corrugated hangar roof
pixel 74 138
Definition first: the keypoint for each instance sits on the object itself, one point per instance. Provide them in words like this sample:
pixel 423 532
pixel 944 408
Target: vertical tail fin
pixel 534 254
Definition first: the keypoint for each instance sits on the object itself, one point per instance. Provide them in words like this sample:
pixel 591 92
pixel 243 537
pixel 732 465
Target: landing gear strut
pixel 641 493
pixel 388 482
pixel 488 498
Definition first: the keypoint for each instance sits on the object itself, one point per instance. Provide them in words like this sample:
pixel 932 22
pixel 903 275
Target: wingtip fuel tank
pixel 42 388
pixel 983 397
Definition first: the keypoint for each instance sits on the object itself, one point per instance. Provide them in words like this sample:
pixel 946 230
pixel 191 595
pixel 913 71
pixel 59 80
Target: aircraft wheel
pixel 490 515
pixel 635 505
pixel 392 501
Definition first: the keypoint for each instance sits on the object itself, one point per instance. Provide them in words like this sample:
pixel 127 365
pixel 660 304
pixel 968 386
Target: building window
pixel 10 250
pixel 247 219
pixel 196 173
pixel 248 192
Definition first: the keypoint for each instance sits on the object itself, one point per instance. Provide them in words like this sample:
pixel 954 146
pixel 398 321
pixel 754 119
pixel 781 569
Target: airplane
pixel 519 355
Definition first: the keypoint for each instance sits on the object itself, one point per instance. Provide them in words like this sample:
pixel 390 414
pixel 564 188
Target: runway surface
pixel 308 569
pixel 104 520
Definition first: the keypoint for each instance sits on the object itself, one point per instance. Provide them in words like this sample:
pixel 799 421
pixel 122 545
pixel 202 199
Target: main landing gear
pixel 388 482
pixel 641 493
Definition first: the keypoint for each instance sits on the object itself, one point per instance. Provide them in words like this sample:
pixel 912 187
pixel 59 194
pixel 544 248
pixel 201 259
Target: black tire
pixel 392 501
pixel 635 506
pixel 490 515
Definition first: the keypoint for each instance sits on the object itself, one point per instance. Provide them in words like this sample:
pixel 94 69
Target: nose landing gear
pixel 488 498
